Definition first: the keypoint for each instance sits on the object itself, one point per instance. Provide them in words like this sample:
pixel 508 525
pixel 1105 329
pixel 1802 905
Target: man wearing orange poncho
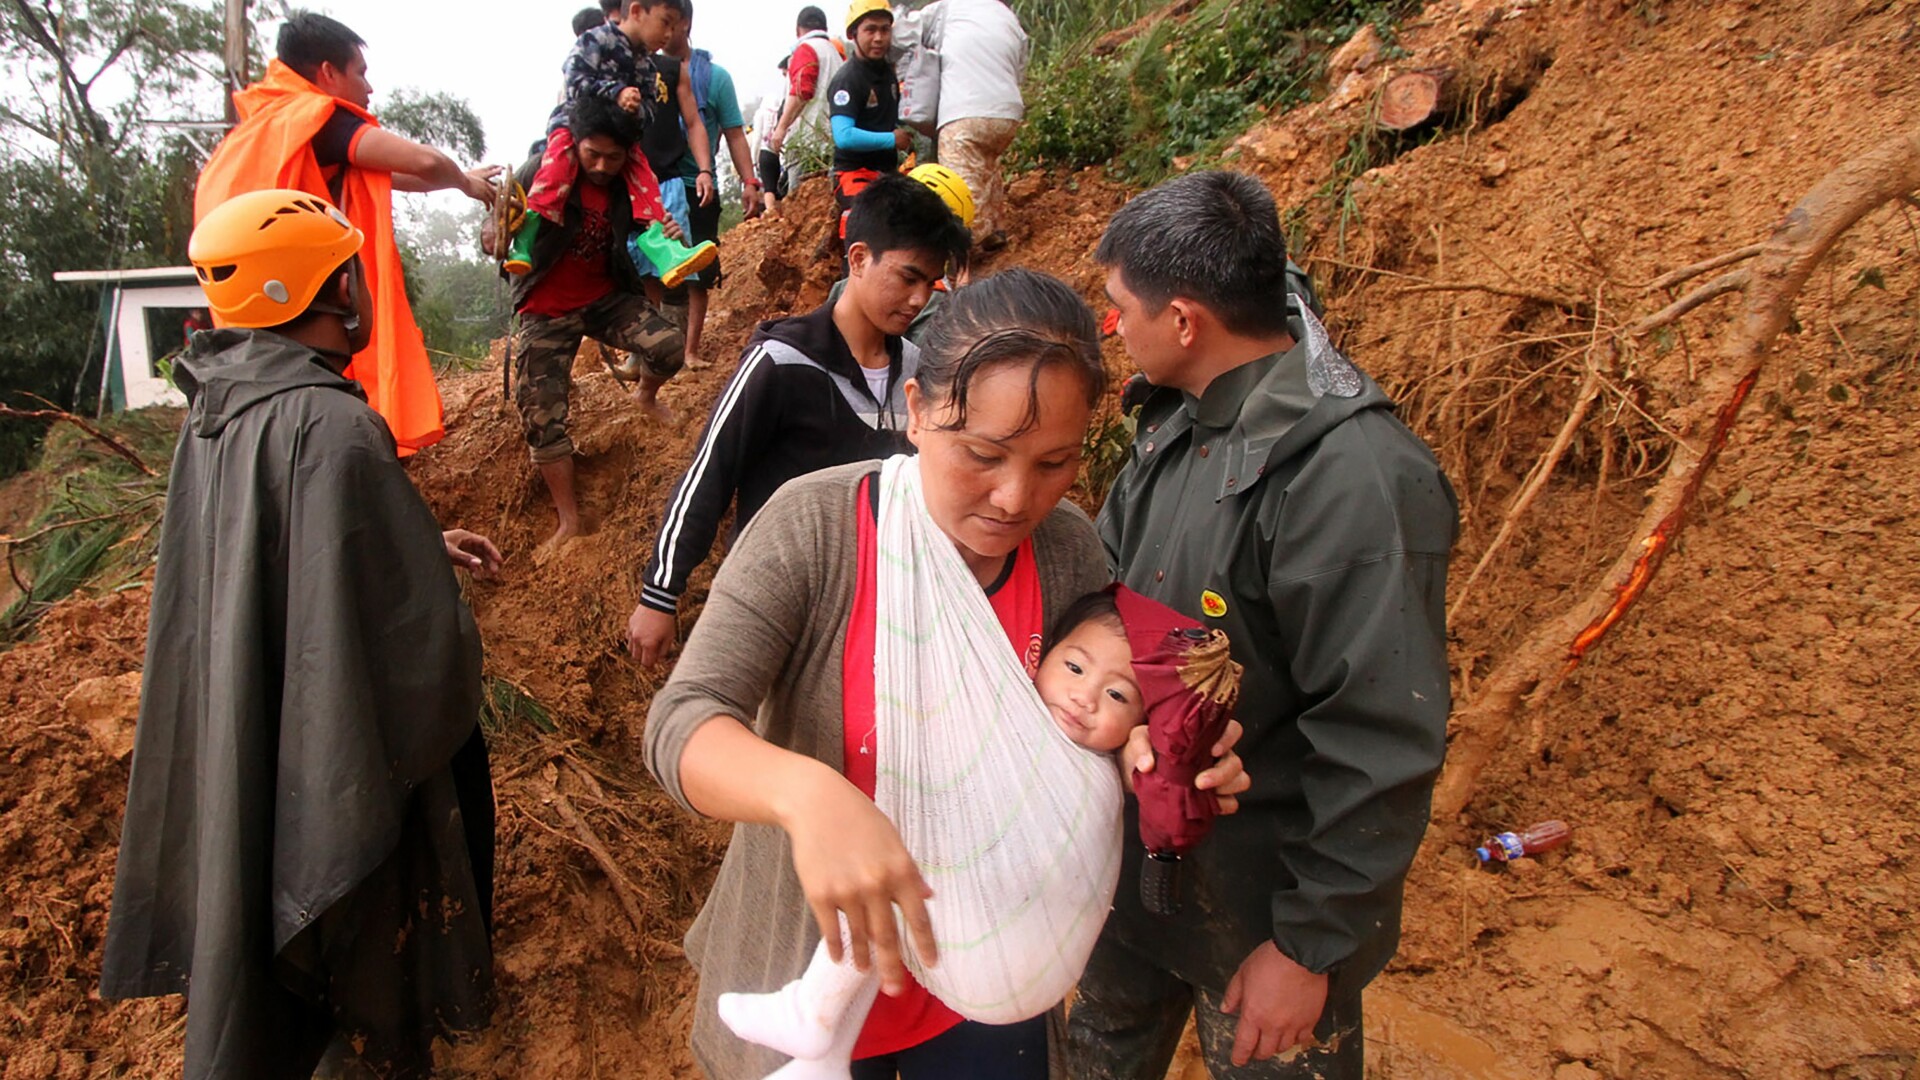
pixel 306 125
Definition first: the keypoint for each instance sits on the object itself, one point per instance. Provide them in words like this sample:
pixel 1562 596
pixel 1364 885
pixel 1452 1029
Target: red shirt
pixel 899 1023
pixel 803 72
pixel 581 276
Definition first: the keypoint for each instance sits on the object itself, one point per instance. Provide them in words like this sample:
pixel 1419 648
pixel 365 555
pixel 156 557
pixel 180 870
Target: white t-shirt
pixel 983 58
pixel 877 382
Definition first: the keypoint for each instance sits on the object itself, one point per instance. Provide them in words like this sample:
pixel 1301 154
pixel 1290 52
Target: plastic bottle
pixel 1532 840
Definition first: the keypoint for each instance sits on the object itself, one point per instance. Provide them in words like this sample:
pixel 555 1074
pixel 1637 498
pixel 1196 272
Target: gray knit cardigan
pixel 768 651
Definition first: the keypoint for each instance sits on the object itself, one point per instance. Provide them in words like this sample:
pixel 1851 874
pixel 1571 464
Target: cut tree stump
pixel 1412 98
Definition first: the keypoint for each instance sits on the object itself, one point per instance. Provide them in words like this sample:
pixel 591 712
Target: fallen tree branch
pixel 1530 674
pixel 1731 281
pixel 51 413
pixel 1565 303
pixel 6 539
pixel 1687 273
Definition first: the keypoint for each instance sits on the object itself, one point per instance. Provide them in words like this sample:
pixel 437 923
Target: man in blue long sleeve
pixel 863 103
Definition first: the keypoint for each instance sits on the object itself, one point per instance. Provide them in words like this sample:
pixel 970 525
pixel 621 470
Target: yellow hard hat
pixel 263 256
pixel 860 9
pixel 950 187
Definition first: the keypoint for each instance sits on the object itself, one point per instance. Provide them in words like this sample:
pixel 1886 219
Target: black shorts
pixel 705 223
pixel 771 178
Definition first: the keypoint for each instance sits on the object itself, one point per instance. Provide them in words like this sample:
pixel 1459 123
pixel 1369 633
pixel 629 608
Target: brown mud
pixel 1740 895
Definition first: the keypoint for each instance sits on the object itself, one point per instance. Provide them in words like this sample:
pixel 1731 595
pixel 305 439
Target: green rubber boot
pixel 520 254
pixel 674 261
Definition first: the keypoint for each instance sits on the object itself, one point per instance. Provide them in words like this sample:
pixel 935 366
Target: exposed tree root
pixel 51 413
pixel 1729 282
pixel 547 784
pixel 1529 675
pixel 1589 391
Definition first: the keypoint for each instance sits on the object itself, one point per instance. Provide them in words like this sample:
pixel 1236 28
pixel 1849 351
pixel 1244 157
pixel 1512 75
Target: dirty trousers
pixel 1128 1014
pixel 972 148
pixel 543 359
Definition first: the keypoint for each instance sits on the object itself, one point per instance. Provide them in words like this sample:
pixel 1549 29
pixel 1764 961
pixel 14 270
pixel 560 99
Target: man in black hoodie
pixel 812 391
pixel 309 837
pixel 1270 493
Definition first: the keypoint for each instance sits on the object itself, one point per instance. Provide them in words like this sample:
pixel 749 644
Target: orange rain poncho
pixel 272 147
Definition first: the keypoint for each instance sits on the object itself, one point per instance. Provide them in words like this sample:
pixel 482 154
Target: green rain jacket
pixel 1291 509
pixel 296 854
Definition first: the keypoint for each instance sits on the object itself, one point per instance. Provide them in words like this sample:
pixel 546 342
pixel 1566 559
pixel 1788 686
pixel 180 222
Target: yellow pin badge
pixel 1213 604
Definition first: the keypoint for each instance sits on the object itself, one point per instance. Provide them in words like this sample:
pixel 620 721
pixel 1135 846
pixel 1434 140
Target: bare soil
pixel 1739 897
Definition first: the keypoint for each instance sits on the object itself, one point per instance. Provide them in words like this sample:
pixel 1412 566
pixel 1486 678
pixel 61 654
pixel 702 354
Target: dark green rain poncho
pixel 308 846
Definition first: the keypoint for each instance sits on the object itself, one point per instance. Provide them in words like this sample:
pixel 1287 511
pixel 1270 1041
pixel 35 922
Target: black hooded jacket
pixel 798 402
pixel 295 851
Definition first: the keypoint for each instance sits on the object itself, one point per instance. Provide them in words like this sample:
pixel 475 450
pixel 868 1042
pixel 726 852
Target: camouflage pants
pixel 972 148
pixel 543 361
pixel 1128 1015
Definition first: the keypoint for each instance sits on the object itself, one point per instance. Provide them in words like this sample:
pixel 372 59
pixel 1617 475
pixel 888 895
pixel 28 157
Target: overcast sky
pixel 505 58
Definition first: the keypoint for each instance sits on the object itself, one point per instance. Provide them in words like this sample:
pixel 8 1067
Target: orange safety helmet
pixel 263 256
pixel 949 186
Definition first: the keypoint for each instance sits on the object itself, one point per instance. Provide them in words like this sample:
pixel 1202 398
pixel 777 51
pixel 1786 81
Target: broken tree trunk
pixel 1533 670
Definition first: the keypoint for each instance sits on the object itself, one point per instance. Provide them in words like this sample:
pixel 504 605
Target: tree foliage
pixel 85 182
pixel 437 119
pixel 458 298
pixel 89 182
pixel 96 70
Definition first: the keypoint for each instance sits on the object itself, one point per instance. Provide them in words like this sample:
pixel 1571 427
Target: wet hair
pixel 895 213
pixel 1019 316
pixel 811 18
pixel 1097 606
pixel 308 40
pixel 586 19
pixel 594 115
pixel 1212 237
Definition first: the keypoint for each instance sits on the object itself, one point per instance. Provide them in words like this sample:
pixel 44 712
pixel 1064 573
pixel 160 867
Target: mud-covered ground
pixel 1738 900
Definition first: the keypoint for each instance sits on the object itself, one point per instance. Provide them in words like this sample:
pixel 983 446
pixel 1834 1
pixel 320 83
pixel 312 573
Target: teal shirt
pixel 722 111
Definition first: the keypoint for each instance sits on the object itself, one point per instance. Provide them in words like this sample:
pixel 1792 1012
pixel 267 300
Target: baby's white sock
pixel 802 1018
pixel 837 1062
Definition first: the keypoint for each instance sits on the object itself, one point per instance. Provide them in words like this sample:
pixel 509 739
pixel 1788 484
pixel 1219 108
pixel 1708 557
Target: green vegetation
pixel 1179 90
pixel 459 299
pixel 99 529
pixel 506 708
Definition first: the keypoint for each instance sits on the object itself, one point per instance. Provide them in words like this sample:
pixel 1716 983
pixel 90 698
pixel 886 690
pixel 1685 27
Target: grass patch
pixel 100 527
pixel 1175 94
pixel 506 708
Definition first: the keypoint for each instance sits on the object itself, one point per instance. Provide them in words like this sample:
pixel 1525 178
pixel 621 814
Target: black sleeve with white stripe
pixel 729 448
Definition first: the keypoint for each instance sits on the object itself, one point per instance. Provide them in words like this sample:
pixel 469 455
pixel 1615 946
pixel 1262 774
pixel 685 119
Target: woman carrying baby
pixel 769 719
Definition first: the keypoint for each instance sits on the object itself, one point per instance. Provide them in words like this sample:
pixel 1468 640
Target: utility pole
pixel 236 55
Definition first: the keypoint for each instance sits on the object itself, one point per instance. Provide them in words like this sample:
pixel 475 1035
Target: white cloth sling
pixel 1015 827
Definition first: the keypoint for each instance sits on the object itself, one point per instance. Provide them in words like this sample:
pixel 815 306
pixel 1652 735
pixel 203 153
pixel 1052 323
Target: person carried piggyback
pixel 616 62
pixel 1114 661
